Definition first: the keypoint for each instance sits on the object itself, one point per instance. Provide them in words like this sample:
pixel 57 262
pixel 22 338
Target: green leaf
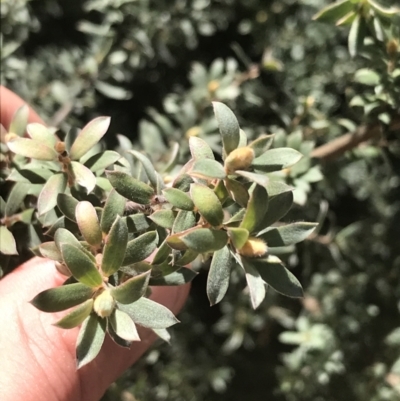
pixel 61 298
pixel 199 149
pixel 187 257
pixel 221 191
pixel 88 223
pixel 148 167
pixel 90 340
pixel 356 35
pixel 238 236
pixel 259 179
pixel 346 19
pixel 8 245
pixel 366 76
pixel 123 326
pixel 67 205
pixel 204 240
pixel 207 203
pixel 114 206
pixel 32 175
pixel 89 136
pixel 133 289
pixel 289 234
pixel 32 149
pixel 149 314
pixel 228 126
pixel 261 144
pixel 42 134
pixel 385 12
pixel 115 244
pixel 48 195
pixel 276 159
pixel 183 221
pixel 219 275
pixel 162 253
pixel 275 188
pixel 19 121
pixel 255 283
pixel 256 209
pixel 334 11
pixel 174 158
pixel 163 218
pixel 117 339
pixel 178 198
pixel 278 207
pixel 15 198
pixel 163 334
pixel 83 176
pixel 129 187
pixel 207 169
pixel 77 316
pixel 100 161
pixel 81 265
pixel 278 277
pixel 50 250
pixel 179 277
pixel 183 182
pixel 137 222
pixel 140 248
pixel 62 235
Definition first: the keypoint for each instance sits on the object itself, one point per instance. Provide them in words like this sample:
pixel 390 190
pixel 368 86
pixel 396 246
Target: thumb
pixel 38 359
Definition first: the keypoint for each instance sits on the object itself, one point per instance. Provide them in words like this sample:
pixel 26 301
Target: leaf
pixel 163 218
pixel 19 121
pixel 275 188
pixel 183 182
pixel 130 188
pixel 278 207
pixel 276 159
pixel 112 91
pixel 114 206
pixel 131 290
pixel 89 136
pixel 204 240
pixel 207 169
pixel 90 340
pixel 149 314
pixel 188 257
pixel 77 316
pixel 259 179
pixel 50 250
pixel 123 326
pixel 67 205
pixel 163 334
pixel 183 221
pixel 356 35
pixel 148 167
pixel 42 134
pixel 100 161
pixel 289 234
pixel 30 175
pixel 228 126
pixel 48 195
pixel 137 222
pixel 62 235
pixel 219 275
pixel 61 298
pixel 140 248
pixel 88 223
pixel 366 76
pixel 8 245
pixel 179 277
pixel 255 284
pixel 32 149
pixel 199 149
pixel 83 176
pixel 81 265
pixel 279 278
pixel 256 208
pixel 207 203
pixel 385 12
pixel 334 11
pixel 117 339
pixel 346 19
pixel 15 198
pixel 238 236
pixel 115 244
pixel 261 144
pixel 178 198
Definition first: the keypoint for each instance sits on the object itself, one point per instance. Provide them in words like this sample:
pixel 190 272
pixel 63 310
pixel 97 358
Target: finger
pixel 47 353
pixel 9 104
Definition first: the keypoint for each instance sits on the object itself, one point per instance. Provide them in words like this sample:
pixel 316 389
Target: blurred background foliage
pixel 154 67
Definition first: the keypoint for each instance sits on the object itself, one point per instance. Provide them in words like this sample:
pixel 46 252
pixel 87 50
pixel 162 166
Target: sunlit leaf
pixel 276 159
pixel 228 126
pixel 255 284
pixel 199 149
pixel 334 11
pixel 204 240
pixel 183 221
pixel 100 161
pixel 140 248
pixel 148 167
pixel 288 234
pixel 50 250
pixel 67 205
pixel 88 223
pixel 256 208
pixel 123 326
pixel 278 206
pixel 178 198
pixel 83 176
pixel 15 198
pixel 48 195
pixel 42 134
pixel 19 121
pixel 77 316
pixel 261 144
pixel 238 236
pixel 163 218
pixel 131 290
pixel 8 245
pixel 114 206
pixel 207 203
pixel 207 169
pixel 181 276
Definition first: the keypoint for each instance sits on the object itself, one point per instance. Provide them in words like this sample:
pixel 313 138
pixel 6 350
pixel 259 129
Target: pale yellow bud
pixel 104 304
pixel 60 147
pixel 194 131
pixel 239 159
pixel 254 248
pixel 213 86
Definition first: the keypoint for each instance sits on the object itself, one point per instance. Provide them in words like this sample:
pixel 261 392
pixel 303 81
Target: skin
pixel 37 359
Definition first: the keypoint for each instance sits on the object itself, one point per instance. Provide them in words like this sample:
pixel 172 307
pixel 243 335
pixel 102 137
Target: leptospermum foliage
pixel 105 222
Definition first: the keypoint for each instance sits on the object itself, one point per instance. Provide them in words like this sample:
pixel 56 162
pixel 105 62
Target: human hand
pixel 37 359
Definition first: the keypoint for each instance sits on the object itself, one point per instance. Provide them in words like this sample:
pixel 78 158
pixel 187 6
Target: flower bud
pixel 104 304
pixel 239 159
pixel 254 248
